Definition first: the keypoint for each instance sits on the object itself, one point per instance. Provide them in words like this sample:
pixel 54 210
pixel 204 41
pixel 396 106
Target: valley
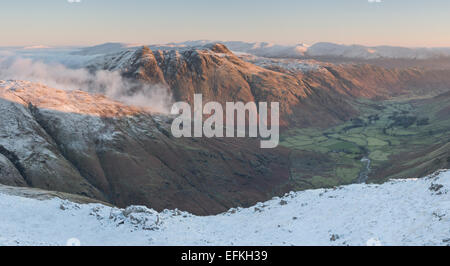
pixel 388 134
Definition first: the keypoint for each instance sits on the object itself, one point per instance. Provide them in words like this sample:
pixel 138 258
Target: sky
pixel 413 23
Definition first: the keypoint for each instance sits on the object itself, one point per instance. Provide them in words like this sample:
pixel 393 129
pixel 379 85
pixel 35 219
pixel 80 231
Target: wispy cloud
pixel 110 83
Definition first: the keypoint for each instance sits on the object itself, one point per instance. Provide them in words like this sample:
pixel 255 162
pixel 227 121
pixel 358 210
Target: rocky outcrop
pixel 219 75
pixel 320 96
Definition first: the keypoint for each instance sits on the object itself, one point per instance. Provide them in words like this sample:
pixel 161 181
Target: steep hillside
pixel 212 71
pixel 71 141
pixel 310 93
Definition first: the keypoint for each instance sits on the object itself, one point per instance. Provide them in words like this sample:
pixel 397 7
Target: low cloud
pixel 109 83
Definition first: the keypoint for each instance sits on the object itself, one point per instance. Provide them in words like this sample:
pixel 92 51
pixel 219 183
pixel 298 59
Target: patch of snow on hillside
pixel 400 212
pixel 291 65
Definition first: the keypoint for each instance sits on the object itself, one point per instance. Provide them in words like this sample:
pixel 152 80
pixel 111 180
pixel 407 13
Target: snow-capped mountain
pixel 269 49
pixel 400 212
pixel 337 50
pixel 299 51
pixel 264 49
pixel 222 75
pixel 375 52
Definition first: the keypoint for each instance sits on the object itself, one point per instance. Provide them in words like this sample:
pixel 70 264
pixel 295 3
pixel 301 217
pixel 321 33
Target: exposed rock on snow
pixel 400 212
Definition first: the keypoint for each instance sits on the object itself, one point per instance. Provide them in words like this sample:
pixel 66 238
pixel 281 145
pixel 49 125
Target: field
pixel 397 138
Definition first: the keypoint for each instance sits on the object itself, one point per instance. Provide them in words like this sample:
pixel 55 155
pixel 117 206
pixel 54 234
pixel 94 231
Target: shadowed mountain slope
pixel 71 141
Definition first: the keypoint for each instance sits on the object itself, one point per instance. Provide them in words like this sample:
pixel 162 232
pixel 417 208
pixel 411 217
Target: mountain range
pixel 342 123
pixel 299 51
pixel 322 89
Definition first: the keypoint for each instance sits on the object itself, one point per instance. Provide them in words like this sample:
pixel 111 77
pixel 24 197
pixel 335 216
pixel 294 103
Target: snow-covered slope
pixel 375 52
pixel 401 212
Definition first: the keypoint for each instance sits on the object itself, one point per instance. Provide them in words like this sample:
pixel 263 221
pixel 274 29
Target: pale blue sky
pixel 391 22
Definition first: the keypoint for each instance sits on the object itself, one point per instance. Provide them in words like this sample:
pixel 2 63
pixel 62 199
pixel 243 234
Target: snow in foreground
pixel 402 212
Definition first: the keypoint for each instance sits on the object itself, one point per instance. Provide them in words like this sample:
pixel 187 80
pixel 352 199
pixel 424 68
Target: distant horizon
pixel 47 46
pixel 59 23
